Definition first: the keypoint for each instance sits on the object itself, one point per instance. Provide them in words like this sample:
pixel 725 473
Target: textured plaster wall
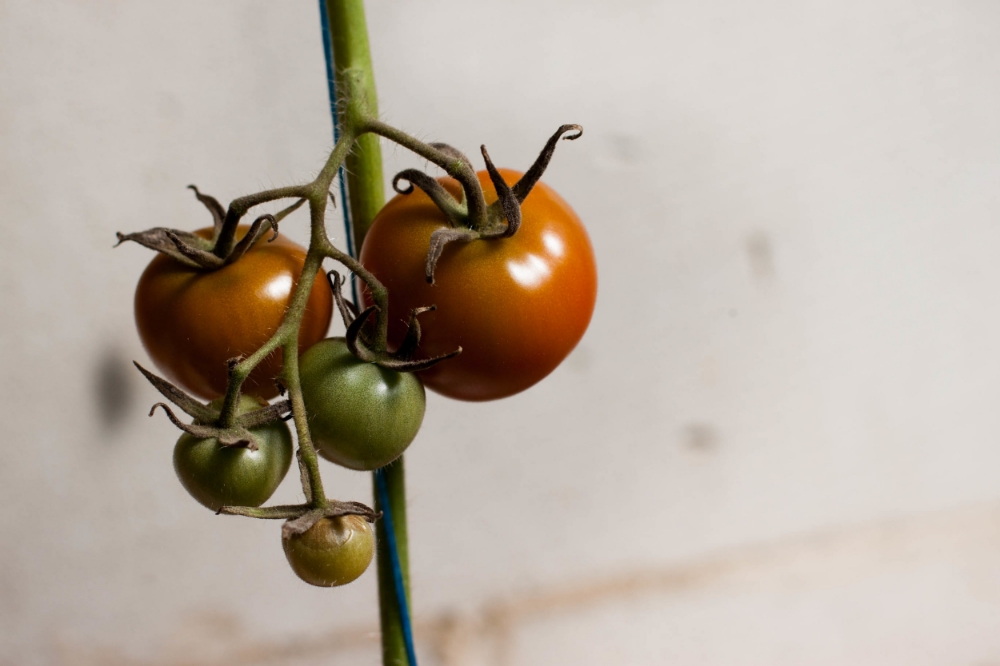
pixel 777 444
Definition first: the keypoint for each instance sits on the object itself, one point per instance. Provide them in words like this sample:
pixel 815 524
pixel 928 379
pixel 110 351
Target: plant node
pixel 360 343
pixel 470 219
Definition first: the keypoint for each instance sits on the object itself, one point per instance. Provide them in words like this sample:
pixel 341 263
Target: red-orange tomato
pixel 517 306
pixel 193 321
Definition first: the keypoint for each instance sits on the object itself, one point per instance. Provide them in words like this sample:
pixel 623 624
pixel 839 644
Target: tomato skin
pixel 192 321
pixel 334 551
pixel 220 476
pixel 361 416
pixel 517 306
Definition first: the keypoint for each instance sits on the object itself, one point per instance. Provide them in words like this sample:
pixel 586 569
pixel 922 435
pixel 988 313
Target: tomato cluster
pixel 497 312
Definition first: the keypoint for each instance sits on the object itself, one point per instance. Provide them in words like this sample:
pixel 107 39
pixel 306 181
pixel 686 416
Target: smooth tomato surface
pixel 219 476
pixel 192 321
pixel 517 306
pixel 361 416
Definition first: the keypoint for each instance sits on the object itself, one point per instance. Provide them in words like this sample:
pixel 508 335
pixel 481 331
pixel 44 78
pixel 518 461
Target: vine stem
pixel 345 22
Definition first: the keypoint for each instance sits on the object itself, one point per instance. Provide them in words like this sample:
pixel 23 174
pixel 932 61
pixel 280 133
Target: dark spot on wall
pixel 700 437
pixel 114 385
pixel 761 255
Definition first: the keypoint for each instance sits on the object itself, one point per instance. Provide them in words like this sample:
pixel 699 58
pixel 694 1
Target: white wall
pixel 777 444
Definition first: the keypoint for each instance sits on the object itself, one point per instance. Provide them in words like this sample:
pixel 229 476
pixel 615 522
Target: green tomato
pixel 361 416
pixel 332 552
pixel 219 476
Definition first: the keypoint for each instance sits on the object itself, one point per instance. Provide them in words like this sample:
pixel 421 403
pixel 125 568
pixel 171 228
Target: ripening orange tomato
pixel 192 321
pixel 517 306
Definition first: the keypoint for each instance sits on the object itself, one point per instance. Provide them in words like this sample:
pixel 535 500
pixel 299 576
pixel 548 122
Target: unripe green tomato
pixel 219 476
pixel 361 416
pixel 333 552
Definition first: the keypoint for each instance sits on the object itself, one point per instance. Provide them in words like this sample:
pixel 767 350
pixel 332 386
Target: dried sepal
pixel 251 236
pixel 158 239
pixel 337 508
pixel 201 258
pixel 301 517
pixel 348 310
pixel 213 206
pixel 227 437
pixel 412 339
pixel 264 415
pixel 356 345
pixel 277 512
pixel 505 197
pixel 439 239
pixel 193 408
pixel 401 365
pixel 524 186
pixel 301 524
pixel 334 509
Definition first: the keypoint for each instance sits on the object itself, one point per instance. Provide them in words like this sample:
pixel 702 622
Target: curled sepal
pixel 416 366
pixel 401 360
pixel 439 239
pixel 255 232
pixel 180 245
pixel 508 202
pixel 213 206
pixel 348 310
pixel 353 337
pixel 189 405
pixel 227 437
pixel 264 415
pixel 412 339
pixel 523 187
pixel 453 152
pixel 455 212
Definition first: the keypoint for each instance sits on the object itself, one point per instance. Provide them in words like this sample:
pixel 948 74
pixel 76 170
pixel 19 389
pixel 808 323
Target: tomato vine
pixel 225 433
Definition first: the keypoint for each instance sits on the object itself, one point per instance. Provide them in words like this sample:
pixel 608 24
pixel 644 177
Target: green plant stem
pixel 354 73
pixel 393 647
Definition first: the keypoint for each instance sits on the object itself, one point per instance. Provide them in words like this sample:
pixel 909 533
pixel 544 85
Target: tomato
pixel 192 321
pixel 517 306
pixel 334 551
pixel 218 475
pixel 361 416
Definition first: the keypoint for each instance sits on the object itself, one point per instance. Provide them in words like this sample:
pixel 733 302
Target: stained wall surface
pixel 777 443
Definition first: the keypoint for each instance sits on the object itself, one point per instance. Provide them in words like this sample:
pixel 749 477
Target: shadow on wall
pixel 114 388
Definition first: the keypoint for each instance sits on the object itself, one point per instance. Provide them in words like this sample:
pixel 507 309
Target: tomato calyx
pixel 304 522
pixel 300 517
pixel 207 418
pixel 362 346
pixel 218 251
pixel 471 219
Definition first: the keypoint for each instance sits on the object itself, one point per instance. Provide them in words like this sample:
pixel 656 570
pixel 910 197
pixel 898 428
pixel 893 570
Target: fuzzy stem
pixel 352 59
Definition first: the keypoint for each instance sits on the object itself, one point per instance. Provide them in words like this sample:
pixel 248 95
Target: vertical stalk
pixel 352 57
pixel 365 188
